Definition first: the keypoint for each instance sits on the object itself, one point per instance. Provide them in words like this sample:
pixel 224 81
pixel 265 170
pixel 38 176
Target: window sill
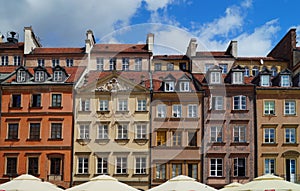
pixel 290 144
pixel 84 112
pixel 269 144
pixel 34 139
pixel 82 175
pixel 239 144
pixel 161 119
pixel 175 118
pixel 122 141
pixel 141 111
pixel 216 177
pixel 141 141
pixel 269 115
pixel 140 175
pixel 55 107
pixel 121 174
pixel 83 141
pixel 191 118
pixel 122 112
pixel 12 139
pixel 103 112
pixel 290 115
pixel 102 141
pixel 35 107
pixel 217 111
pixel 10 175
pixel 239 111
pixel 55 139
pixel 217 143
pixel 16 108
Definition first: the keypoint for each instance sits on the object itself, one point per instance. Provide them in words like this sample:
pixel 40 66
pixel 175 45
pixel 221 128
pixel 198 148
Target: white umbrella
pixel 102 182
pixel 231 187
pixel 269 182
pixel 182 183
pixel 28 182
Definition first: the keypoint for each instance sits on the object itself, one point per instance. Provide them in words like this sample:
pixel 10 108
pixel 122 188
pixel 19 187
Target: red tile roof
pixel 142 48
pixel 8 69
pixel 58 51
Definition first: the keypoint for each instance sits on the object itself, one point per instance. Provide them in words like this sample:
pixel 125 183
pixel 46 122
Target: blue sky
pixel 257 25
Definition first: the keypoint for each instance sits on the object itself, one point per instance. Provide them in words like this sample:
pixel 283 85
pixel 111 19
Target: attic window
pixel 285 81
pixel 215 77
pixel 169 86
pixel 39 76
pixel 184 86
pixel 21 76
pixel 265 80
pixel 58 76
pixel 237 77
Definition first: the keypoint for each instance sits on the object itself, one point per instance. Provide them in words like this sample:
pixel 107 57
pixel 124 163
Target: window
pixel 182 66
pixel 176 169
pixel 290 135
pixel 84 131
pixel 269 135
pixel 69 62
pixel 216 167
pixel 239 102
pixel 141 105
pixel 192 139
pixel 16 100
pixel 274 71
pixel 122 131
pixel 41 62
pixel 103 105
pixel 239 167
pixel 176 138
pixel 125 64
pixel 217 103
pixel 193 171
pixel 140 165
pixel 58 76
pixel 285 81
pixel 112 64
pixel 138 64
pixel 100 64
pixel 269 166
pixel 17 61
pixel 246 73
pixel 215 77
pixel 216 134
pixel 83 165
pixel 55 166
pixel 160 171
pixel 85 105
pixel 265 80
pixel 269 107
pixel 239 134
pixel 56 130
pixel 238 78
pixel 33 165
pixel 36 100
pixel 13 130
pixel 103 131
pixel 161 137
pixel 55 62
pixel 56 100
pixel 290 107
pixel 21 76
pixel 161 111
pixel 192 110
pixel 254 71
pixel 177 111
pixel 184 86
pixel 4 60
pixel 207 67
pixel 39 76
pixel 123 105
pixel 102 165
pixel 141 131
pixel 34 133
pixel 169 86
pixel 11 166
pixel 224 68
pixel 170 67
pixel 157 67
pixel 121 165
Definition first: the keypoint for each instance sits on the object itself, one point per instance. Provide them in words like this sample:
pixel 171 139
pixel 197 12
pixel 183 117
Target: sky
pixel 257 25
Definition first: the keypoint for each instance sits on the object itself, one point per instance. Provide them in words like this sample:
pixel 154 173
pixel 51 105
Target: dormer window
pixel 184 86
pixel 39 76
pixel 285 81
pixel 254 71
pixel 265 80
pixel 237 77
pixel 215 77
pixel 274 71
pixel 21 76
pixel 169 86
pixel 246 73
pixel 57 76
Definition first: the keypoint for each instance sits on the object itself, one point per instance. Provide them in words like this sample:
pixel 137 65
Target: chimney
pixel 191 50
pixel 150 42
pixel 30 40
pixel 89 41
pixel 232 48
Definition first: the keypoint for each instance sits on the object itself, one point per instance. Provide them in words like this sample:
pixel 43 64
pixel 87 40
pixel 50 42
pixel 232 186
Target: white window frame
pixel 184 86
pixel 192 110
pixel 218 164
pixel 268 134
pixel 176 138
pixel 269 107
pixel 285 81
pixel 103 105
pixel 141 131
pixel 236 162
pixel 57 76
pixel 237 78
pixel 102 131
pixel 122 105
pixel 224 68
pixel 100 63
pixel 247 72
pixel 69 62
pixel 161 110
pixel 55 62
pixel 270 165
pixel 85 103
pixel 123 165
pixel 239 102
pixel 17 60
pixel 122 131
pixel 216 134
pixel 39 76
pixel 84 131
pixel 141 105
pixel 239 134
pixel 290 135
pixel 138 64
pixel 21 76
pixel 160 170
pixel 125 64
pixel 112 63
pixel 103 164
pixel 215 77
pixel 169 86
pixel 289 107
pixel 265 80
pixel 140 165
pixel 217 103
pixel 41 62
pixel 4 60
pixel 177 110
pixel 83 166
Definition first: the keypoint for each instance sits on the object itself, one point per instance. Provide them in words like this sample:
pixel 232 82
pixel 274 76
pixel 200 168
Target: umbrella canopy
pixel 231 187
pixel 102 182
pixel 182 183
pixel 269 182
pixel 28 182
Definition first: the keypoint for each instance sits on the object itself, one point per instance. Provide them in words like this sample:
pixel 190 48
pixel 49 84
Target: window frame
pixel 265 80
pixel 177 111
pixel 239 134
pixel 36 100
pixel 192 110
pixel 100 63
pixel 285 80
pixel 270 166
pixel 17 60
pixel 125 64
pixel 82 165
pixel 141 131
pixel 34 131
pixel 121 165
pixel 239 102
pixel 55 62
pixel 56 100
pixel 102 131
pixel 102 165
pixel 122 131
pixel 218 170
pixel 13 131
pixel 56 131
pixel 224 68
pixel 35 164
pixel 140 165
pixel 237 78
pixel 217 103
pixel 138 64
pixel 69 62
pixel 169 86
pixel 269 107
pixel 290 108
pixel 103 105
pixel 160 171
pixel 84 131
pixel 215 77
pixel 236 168
pixel 269 134
pixel 161 111
pixel 141 105
pixel 11 169
pixel 216 134
pixel 290 135
pixel 176 138
pixel 184 86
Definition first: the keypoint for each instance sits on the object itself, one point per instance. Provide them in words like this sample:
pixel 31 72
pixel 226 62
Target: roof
pixel 58 51
pixel 8 69
pixel 171 57
pixel 9 45
pixel 212 54
pixel 258 59
pixel 142 48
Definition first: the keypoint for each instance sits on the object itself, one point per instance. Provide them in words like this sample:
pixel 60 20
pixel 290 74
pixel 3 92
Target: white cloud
pixel 154 5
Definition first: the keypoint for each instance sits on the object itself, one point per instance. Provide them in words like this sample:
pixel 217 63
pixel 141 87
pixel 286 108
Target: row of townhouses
pixel 69 114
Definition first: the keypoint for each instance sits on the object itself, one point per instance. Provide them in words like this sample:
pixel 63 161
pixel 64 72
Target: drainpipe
pixel 150 131
pixel 72 144
pixel 255 132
